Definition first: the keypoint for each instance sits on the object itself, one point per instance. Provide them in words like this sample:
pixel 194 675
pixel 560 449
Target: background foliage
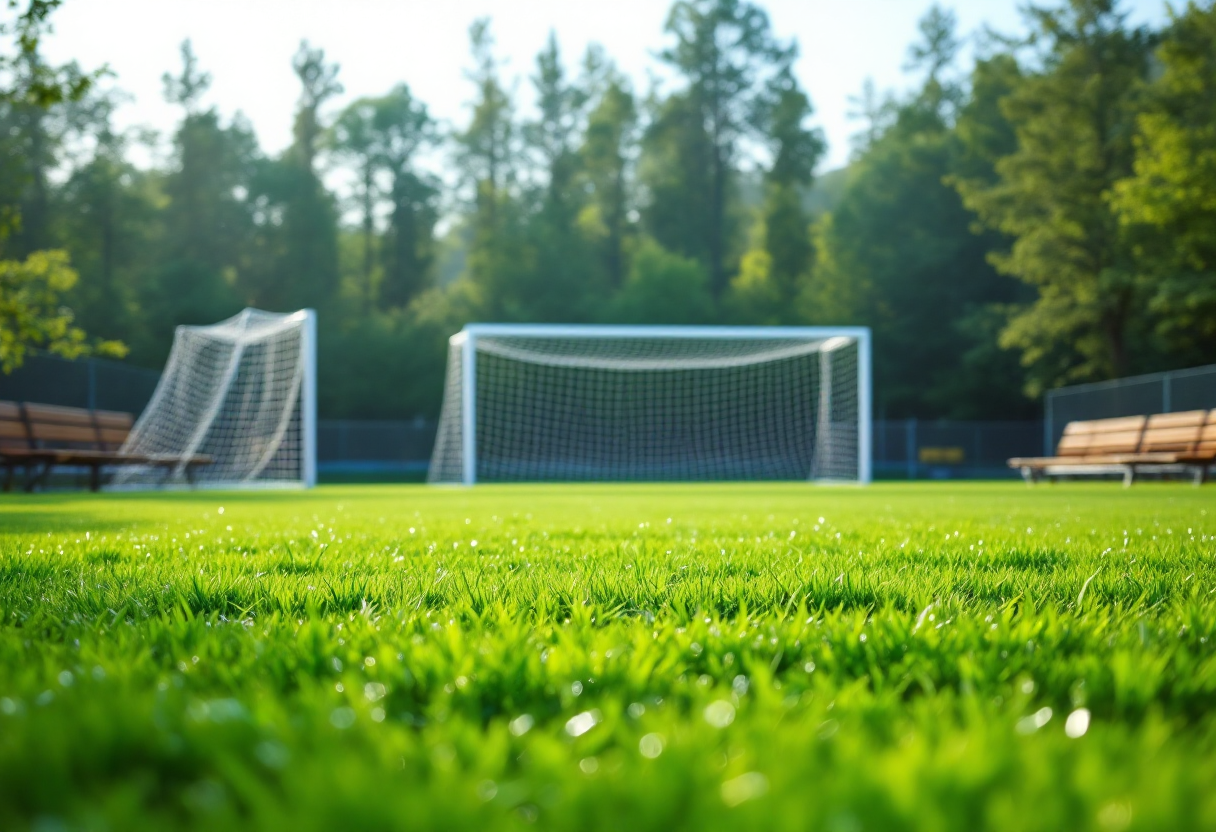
pixel 1042 215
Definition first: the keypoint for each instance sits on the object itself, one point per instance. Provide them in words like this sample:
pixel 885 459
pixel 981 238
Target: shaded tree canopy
pixel 1038 214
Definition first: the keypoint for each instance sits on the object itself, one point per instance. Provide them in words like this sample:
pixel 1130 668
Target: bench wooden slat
pixel 1206 446
pixel 1122 442
pixel 1122 424
pixel 1075 445
pixel 50 432
pixel 51 414
pixel 13 430
pixel 1183 419
pixel 1170 439
pixel 112 437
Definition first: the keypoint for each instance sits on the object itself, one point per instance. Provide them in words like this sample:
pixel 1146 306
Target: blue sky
pixel 247 46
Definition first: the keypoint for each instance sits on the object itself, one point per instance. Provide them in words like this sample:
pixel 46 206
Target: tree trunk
pixel 369 231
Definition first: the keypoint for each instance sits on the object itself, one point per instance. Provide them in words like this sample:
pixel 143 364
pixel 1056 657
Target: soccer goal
pixel 649 403
pixel 242 392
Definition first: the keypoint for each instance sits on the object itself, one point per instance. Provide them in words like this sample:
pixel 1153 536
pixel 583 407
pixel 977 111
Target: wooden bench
pixel 40 437
pixel 1167 443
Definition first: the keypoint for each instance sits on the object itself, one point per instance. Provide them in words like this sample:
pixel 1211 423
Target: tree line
pixel 1040 216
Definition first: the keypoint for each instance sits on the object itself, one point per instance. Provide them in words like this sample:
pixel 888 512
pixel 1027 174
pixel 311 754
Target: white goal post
pixel 239 396
pixel 545 402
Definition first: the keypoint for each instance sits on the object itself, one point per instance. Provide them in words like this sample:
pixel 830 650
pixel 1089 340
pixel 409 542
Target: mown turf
pixel 930 657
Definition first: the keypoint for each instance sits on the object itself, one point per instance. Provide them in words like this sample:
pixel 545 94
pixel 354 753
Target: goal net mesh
pixel 653 408
pixel 230 391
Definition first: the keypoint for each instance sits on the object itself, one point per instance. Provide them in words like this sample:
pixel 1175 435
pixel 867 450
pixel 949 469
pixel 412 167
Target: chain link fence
pixel 92 383
pixel 355 450
pixel 1171 392
pixel 915 449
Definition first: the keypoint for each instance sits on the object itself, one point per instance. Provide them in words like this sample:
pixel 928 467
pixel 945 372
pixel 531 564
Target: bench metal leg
pixel 9 474
pixel 1200 476
pixel 1129 475
pixel 38 477
pixel 95 477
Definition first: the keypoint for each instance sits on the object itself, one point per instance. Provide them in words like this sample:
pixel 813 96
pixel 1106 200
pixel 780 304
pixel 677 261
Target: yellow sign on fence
pixel 948 456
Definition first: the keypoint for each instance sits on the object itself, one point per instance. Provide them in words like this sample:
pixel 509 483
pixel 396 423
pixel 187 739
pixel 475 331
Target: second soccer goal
pixel 555 403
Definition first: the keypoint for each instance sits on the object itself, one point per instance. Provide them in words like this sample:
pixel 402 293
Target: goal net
pixel 561 403
pixel 242 392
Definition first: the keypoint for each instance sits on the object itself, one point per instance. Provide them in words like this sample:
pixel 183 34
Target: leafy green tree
pixel 353 139
pixel 32 289
pixel 607 163
pixel 552 135
pixel 486 151
pixel 310 216
pixel 32 136
pixel 898 254
pixel 554 290
pixel 675 176
pixel 296 249
pixel 318 84
pixel 663 287
pixel 486 147
pixel 1074 120
pixel 1168 205
pixel 47 85
pixel 779 261
pixel 205 225
pixel 106 214
pixel 723 49
pixel 32 313
pixel 403 128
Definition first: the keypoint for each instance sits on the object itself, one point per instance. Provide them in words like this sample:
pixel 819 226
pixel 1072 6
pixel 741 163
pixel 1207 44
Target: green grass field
pixel 929 657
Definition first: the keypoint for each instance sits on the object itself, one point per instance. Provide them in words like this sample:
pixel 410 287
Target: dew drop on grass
pixel 1032 723
pixel 1115 817
pixel 342 718
pixel 743 788
pixel 271 754
pixel 580 724
pixel 651 746
pixel 720 713
pixel 1077 723
pixel 521 725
